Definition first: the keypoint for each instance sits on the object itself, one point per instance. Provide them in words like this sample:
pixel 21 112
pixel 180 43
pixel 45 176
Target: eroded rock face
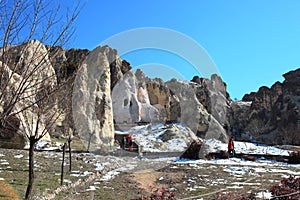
pixel 32 72
pixel 273 116
pixel 202 105
pixel 158 98
pixel 125 102
pixel 66 62
pixel 107 94
pixel 207 118
pixel 132 104
pixel 92 103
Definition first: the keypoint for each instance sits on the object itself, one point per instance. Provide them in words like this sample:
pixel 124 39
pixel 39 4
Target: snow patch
pixel 46 145
pixel 91 188
pixel 264 195
pixel 160 137
pixel 109 175
pixel 4 162
pixel 19 156
pixel 246 148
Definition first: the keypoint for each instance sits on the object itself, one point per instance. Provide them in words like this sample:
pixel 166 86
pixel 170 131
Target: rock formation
pixel 24 82
pixel 136 98
pixel 273 116
pixel 108 95
pixel 91 100
pixel 201 105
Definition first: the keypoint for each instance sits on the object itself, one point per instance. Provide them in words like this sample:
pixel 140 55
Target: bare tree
pixel 36 121
pixel 28 85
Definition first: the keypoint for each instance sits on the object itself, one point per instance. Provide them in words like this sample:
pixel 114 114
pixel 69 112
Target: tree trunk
pixel 32 141
pixel 62 165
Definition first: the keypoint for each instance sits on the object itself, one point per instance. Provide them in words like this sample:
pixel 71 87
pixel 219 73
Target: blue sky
pixel 251 42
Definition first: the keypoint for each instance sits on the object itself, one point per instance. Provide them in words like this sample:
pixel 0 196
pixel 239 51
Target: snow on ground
pixel 48 146
pixel 19 156
pixel 240 169
pixel 151 137
pixel 264 195
pixel 247 148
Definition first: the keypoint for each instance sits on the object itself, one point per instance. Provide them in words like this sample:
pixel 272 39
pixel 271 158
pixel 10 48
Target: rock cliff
pixel 273 114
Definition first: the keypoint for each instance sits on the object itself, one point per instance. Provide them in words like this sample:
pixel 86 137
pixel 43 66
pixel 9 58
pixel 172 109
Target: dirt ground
pixel 128 177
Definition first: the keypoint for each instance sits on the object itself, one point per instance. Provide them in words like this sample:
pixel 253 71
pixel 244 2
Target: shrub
pixel 289 188
pixel 156 194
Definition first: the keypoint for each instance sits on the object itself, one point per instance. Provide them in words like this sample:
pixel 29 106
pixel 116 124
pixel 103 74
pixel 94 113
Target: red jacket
pixel 230 144
pixel 128 137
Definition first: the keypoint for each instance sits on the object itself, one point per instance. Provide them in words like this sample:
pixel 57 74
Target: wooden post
pixel 70 154
pixel 62 165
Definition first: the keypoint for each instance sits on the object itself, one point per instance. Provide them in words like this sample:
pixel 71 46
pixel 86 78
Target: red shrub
pixel 289 188
pixel 156 194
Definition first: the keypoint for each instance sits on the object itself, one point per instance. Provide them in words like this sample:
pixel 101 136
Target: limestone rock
pixel 125 102
pixel 32 71
pixel 194 114
pixel 66 64
pixel 92 103
pixel 131 103
pixel 139 98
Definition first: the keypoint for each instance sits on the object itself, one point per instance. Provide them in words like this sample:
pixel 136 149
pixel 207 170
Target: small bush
pixel 156 194
pixel 289 188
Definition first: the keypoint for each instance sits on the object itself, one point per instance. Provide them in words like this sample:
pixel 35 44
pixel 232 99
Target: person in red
pixel 231 147
pixel 129 140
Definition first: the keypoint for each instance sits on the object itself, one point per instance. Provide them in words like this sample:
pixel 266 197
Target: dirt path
pixel 147 178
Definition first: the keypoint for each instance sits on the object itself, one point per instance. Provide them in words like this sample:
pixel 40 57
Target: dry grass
pixel 199 180
pixel 7 192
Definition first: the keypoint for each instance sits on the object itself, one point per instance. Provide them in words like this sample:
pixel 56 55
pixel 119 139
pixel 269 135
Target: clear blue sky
pixel 252 42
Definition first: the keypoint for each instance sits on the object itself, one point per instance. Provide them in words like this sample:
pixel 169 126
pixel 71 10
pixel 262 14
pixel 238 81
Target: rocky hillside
pixel 272 115
pixel 100 93
pixel 107 95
